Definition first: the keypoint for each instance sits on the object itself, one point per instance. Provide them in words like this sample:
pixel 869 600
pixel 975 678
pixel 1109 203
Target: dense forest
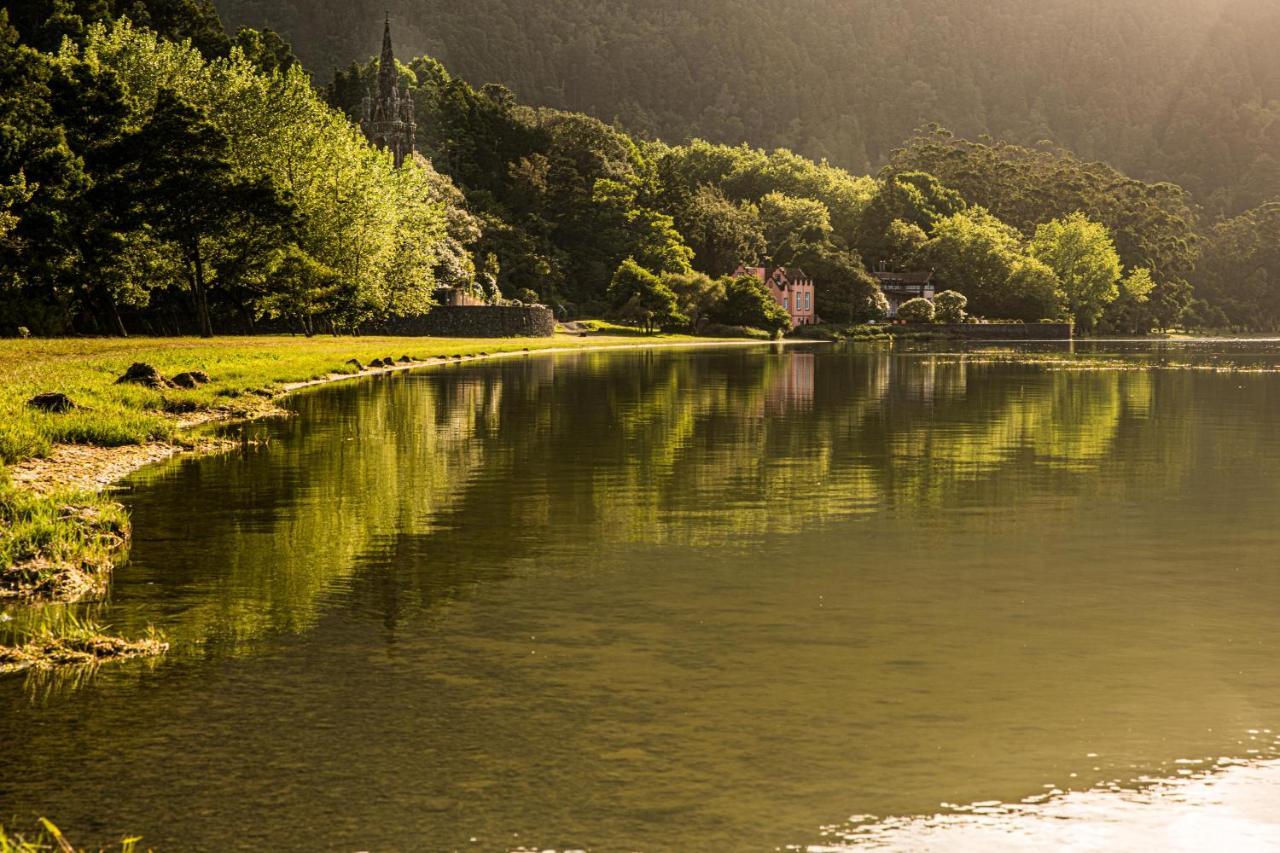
pixel 1180 90
pixel 160 174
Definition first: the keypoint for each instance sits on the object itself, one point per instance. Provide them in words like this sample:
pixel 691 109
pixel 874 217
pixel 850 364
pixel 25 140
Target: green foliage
pixel 638 297
pixel 174 175
pixel 1239 274
pixel 747 302
pixel 918 310
pixel 721 233
pixel 383 231
pixel 1084 259
pixel 949 306
pixel 844 292
pixel 979 256
pixel 697 297
pixel 1153 224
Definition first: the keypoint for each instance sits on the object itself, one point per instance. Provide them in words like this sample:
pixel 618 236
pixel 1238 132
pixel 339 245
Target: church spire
pixel 388 119
pixel 387 63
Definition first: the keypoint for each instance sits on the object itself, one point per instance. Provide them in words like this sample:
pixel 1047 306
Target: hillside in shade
pixel 1184 90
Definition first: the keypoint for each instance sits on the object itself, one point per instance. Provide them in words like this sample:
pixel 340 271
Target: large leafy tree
pixel 639 297
pixel 1081 254
pixel 175 175
pixel 976 254
pixel 721 233
pixel 747 302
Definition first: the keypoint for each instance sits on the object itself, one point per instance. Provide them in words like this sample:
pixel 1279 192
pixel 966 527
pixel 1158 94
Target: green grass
pixel 58 545
pixel 54 636
pixel 50 838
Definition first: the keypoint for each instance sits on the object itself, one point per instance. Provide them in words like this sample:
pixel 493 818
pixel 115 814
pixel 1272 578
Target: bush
pixel 949 307
pixel 639 298
pixel 918 310
pixel 747 302
pixel 719 330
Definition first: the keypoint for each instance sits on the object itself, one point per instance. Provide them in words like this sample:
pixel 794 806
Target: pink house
pixel 792 289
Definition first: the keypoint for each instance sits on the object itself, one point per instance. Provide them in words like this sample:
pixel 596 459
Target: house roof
pixel 900 278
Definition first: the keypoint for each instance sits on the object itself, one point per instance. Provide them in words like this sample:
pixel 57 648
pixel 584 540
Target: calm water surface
pixel 714 600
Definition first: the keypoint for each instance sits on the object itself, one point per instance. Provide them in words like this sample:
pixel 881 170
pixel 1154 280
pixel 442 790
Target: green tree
pixel 638 297
pixel 747 302
pixel 721 233
pixel 793 225
pixel 1239 274
pixel 697 296
pixel 176 174
pixel 1084 258
pixel 979 256
pixel 303 289
pixel 844 292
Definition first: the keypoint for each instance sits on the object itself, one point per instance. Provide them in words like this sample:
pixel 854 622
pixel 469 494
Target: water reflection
pixel 677 601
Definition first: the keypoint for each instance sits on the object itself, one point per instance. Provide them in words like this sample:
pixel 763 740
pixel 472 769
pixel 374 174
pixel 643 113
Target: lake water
pixel 727 599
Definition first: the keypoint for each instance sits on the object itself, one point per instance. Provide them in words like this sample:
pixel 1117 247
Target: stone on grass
pixel 191 379
pixel 52 402
pixel 404 359
pixel 354 362
pixel 144 374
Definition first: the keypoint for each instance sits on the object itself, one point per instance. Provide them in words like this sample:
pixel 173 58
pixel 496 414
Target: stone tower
pixel 387 113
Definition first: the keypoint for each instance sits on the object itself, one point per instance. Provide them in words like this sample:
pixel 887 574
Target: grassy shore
pixel 244 372
pixel 59 538
pixel 50 838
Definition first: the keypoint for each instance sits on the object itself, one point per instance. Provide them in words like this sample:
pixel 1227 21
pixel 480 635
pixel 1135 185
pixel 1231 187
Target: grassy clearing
pixel 50 838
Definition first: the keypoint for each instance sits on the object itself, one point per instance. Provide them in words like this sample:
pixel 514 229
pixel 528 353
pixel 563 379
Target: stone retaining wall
pixel 1000 331
pixel 476 321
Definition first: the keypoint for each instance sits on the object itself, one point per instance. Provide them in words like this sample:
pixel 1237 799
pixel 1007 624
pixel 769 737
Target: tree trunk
pixel 113 313
pixel 199 292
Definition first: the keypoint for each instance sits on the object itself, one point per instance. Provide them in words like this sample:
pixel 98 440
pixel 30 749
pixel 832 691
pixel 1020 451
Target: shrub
pixel 918 310
pixel 747 302
pixel 639 298
pixel 718 330
pixel 949 306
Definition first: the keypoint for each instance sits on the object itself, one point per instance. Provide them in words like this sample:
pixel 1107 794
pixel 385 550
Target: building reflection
pixel 791 388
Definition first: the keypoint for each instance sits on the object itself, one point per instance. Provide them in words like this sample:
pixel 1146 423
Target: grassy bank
pixel 50 838
pixel 58 542
pixel 244 374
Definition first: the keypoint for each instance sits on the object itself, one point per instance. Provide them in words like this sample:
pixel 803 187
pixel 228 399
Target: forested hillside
pixel 1181 90
pixel 160 172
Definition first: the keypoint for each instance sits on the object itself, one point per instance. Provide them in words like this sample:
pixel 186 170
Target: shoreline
pixel 66 487
pixel 96 468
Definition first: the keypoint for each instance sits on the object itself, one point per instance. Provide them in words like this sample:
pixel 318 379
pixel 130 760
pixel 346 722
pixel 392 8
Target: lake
pixel 713 599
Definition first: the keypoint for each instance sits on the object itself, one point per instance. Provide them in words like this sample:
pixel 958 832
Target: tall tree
pixel 176 176
pixel 1085 261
